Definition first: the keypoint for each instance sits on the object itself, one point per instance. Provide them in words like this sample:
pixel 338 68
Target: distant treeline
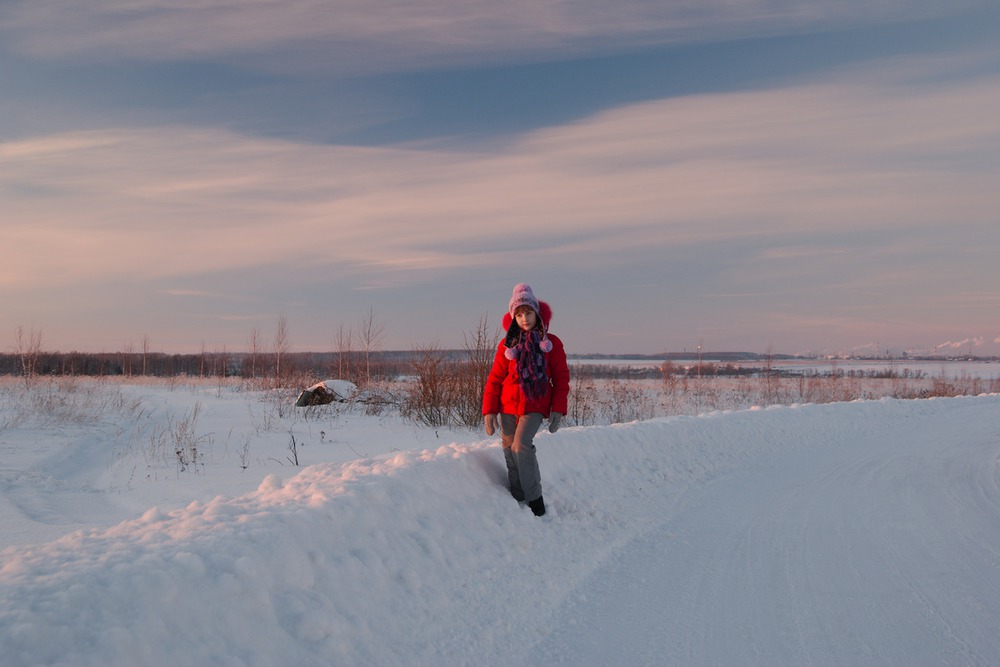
pixel 205 364
pixel 722 357
pixel 391 365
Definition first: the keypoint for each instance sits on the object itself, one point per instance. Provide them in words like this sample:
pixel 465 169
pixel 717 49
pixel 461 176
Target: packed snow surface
pixel 842 534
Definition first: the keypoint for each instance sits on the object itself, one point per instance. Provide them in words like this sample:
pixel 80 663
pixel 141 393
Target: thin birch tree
pixel 28 346
pixel 281 347
pixel 370 331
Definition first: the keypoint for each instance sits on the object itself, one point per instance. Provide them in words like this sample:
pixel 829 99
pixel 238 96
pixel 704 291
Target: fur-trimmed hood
pixel 544 313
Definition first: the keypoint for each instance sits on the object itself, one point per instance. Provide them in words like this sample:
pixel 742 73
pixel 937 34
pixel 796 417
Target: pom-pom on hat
pixel 522 296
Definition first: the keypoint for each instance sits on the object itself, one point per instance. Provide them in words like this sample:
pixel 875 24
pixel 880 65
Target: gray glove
pixel 554 420
pixel 491 424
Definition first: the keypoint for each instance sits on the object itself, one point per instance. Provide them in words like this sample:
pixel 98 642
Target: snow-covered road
pixel 871 545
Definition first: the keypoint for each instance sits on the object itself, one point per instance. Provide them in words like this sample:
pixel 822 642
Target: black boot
pixel 537 506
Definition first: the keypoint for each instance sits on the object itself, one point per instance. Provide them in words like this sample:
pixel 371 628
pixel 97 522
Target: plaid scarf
pixel 531 364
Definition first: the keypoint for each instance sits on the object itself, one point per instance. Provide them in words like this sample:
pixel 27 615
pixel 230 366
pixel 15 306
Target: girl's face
pixel 526 318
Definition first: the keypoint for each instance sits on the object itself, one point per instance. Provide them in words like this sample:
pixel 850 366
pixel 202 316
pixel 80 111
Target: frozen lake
pixel 986 370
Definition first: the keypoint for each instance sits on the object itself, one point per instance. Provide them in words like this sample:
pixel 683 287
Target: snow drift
pixel 825 534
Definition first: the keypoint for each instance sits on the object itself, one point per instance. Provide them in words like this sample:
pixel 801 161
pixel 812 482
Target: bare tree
pixel 255 350
pixel 450 389
pixel 370 331
pixel 342 342
pixel 202 360
pixel 223 357
pixel 480 348
pixel 431 398
pixel 145 354
pixel 127 358
pixel 770 386
pixel 281 346
pixel 28 346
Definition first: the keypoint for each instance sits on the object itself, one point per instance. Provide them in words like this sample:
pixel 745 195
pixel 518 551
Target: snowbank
pixel 422 557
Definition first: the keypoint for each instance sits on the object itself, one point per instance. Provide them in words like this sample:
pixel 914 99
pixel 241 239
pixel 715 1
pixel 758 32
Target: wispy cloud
pixel 779 165
pixel 820 208
pixel 355 34
pixel 208 156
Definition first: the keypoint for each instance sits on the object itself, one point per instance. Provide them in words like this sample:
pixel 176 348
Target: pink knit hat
pixel 523 296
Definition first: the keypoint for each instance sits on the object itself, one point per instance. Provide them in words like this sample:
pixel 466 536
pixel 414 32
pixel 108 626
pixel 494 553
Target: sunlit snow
pixel 847 533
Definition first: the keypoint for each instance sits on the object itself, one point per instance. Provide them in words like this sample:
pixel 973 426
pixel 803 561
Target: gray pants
pixel 516 437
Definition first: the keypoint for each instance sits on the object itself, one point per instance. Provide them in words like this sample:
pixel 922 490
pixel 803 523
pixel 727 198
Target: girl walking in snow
pixel 528 382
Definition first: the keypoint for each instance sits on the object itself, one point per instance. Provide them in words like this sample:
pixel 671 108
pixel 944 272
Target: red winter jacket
pixel 503 394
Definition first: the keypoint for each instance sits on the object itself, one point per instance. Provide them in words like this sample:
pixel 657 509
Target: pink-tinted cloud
pixel 362 34
pixel 901 175
pixel 164 201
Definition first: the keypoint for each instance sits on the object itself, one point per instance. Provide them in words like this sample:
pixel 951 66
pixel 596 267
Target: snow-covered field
pixel 165 524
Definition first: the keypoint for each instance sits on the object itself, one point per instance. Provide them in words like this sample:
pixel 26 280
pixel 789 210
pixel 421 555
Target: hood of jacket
pixel 544 312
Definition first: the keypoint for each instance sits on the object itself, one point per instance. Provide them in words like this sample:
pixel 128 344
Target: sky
pixel 756 175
